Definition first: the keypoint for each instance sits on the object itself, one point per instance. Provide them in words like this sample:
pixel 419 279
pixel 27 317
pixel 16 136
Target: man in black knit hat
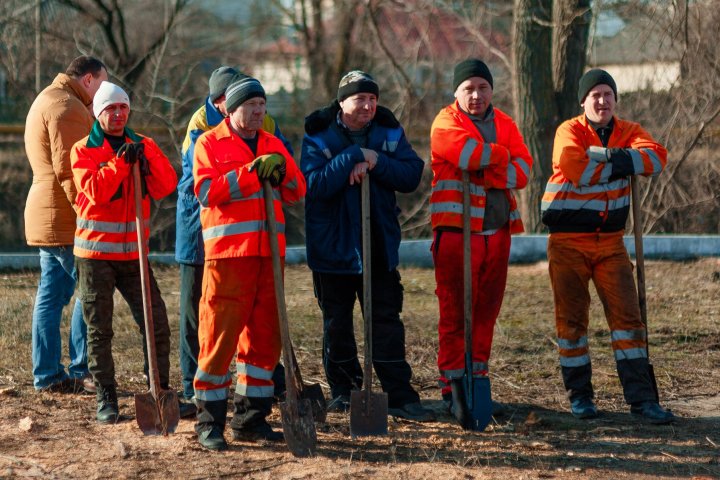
pixel 344 142
pixel 585 206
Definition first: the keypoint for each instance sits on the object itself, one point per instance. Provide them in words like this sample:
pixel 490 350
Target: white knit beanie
pixel 107 94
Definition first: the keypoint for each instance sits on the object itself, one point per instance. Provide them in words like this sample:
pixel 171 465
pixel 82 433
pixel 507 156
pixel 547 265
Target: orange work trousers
pixel 238 318
pixel 489 266
pixel 574 260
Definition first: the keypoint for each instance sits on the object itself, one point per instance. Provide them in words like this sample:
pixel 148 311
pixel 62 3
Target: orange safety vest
pixel 457 145
pixel 232 209
pixel 106 200
pixel 580 195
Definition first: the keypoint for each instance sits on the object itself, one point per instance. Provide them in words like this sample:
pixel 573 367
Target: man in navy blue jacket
pixel 345 141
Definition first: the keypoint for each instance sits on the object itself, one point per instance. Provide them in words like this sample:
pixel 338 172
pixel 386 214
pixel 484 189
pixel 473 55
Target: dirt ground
pixel 52 435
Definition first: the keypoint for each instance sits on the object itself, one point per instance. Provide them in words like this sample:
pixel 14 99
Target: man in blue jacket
pixel 345 141
pixel 189 248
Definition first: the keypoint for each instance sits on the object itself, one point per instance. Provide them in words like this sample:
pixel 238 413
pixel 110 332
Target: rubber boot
pixel 210 426
pixel 107 404
pixel 248 422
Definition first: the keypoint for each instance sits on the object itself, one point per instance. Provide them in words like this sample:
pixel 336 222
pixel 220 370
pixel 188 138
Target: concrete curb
pixel 416 253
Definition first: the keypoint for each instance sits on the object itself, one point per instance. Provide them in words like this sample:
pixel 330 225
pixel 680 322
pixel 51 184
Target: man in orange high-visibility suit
pixel 471 135
pixel 238 311
pixel 585 206
pixel 106 249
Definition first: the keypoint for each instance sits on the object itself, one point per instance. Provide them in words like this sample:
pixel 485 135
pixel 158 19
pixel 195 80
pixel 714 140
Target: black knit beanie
pixel 241 91
pixel 354 82
pixel 471 67
pixel 592 78
pixel 220 80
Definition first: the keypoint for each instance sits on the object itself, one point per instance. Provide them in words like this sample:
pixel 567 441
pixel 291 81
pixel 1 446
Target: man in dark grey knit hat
pixel 344 142
pixel 189 251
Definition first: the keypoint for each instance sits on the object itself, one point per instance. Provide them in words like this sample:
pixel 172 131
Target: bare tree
pixel 549 45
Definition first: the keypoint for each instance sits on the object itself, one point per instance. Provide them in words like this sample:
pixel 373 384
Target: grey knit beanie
pixel 220 80
pixel 241 91
pixel 354 82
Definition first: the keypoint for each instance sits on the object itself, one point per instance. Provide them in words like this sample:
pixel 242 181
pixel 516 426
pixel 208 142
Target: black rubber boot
pixel 107 404
pixel 249 422
pixel 211 417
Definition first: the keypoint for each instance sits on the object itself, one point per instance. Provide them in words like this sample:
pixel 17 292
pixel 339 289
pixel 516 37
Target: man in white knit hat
pixel 106 249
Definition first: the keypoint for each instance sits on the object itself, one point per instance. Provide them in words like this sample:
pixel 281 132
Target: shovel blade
pixel 314 394
pixel 157 417
pixel 479 403
pixel 368 413
pixel 298 427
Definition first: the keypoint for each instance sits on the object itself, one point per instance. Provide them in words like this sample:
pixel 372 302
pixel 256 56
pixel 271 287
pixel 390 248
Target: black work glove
pixel 131 152
pixel 622 163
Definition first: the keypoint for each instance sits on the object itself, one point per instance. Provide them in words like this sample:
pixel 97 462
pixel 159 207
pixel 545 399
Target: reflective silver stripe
pixel 638 164
pixel 106 227
pixel 486 153
pixel 233 184
pixel 455 207
pixel 106 247
pixel 616 335
pixel 203 195
pixel 557 204
pixel 238 229
pixel 587 174
pixel 479 366
pixel 575 361
pixel 211 395
pixel 253 371
pixel 454 374
pixel 597 154
pixel 605 173
pixel 254 390
pixel 212 379
pixel 601 188
pixel 657 165
pixel 390 146
pixel 630 354
pixel 511 176
pixel 556 187
pixel 619 203
pixel 572 344
pixel 466 153
pixel 456 185
pixel 515 215
pixel 523 165
pixel 327 153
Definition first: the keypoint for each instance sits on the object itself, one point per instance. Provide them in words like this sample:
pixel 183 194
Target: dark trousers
pixel 336 295
pixel 97 280
pixel 190 291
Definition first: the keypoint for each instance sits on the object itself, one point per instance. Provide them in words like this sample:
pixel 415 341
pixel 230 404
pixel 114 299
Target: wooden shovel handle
pixel 367 282
pixel 145 280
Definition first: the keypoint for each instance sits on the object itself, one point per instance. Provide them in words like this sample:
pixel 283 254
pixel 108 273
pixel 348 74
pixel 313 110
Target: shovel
pixel 473 409
pixel 296 413
pixel 368 410
pixel 640 270
pixel 158 411
pixel 312 392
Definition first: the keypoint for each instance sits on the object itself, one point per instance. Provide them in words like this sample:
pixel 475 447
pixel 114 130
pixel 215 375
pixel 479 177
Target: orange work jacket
pixel 232 209
pixel 106 199
pixel 457 145
pixel 582 195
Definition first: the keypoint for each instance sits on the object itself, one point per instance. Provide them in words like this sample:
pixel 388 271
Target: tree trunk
pixel 535 97
pixel 570 38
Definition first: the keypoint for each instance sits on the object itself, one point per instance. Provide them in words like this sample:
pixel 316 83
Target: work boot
pixel 583 408
pixel 211 417
pixel 458 405
pixel 340 404
pixel 413 411
pixel 652 412
pixel 88 384
pixel 260 432
pixel 107 404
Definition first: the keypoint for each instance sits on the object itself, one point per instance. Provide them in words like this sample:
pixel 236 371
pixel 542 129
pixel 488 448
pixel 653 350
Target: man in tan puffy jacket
pixel 59 117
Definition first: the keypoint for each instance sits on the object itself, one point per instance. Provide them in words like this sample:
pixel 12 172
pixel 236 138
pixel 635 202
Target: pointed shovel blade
pixel 159 417
pixel 298 427
pixel 368 413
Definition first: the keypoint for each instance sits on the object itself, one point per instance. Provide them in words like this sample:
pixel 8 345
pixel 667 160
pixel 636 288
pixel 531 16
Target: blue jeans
pixel 57 284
